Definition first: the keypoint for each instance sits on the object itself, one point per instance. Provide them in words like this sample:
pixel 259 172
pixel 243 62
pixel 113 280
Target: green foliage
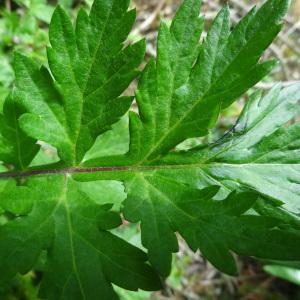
pixel 16 148
pixel 21 28
pixel 239 194
pixel 287 273
pixel 90 71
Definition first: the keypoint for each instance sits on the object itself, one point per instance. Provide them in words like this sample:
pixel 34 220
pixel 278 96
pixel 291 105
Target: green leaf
pixel 236 195
pixel 15 199
pixel 74 231
pixel 90 69
pixel 175 105
pixel 215 227
pixel 220 227
pixel 258 156
pixel 287 273
pixel 261 154
pixel 179 98
pixel 16 148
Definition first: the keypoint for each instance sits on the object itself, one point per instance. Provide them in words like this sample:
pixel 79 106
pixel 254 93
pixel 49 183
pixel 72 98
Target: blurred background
pixel 23 27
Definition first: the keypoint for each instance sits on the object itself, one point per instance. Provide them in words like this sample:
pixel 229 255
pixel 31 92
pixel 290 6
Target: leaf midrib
pixel 71 241
pixel 134 169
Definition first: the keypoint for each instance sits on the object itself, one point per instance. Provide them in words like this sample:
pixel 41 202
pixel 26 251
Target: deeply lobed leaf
pixel 238 194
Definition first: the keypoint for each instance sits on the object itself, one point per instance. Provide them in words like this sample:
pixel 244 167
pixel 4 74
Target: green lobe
pixel 91 68
pixel 68 225
pixel 189 85
pixel 16 148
